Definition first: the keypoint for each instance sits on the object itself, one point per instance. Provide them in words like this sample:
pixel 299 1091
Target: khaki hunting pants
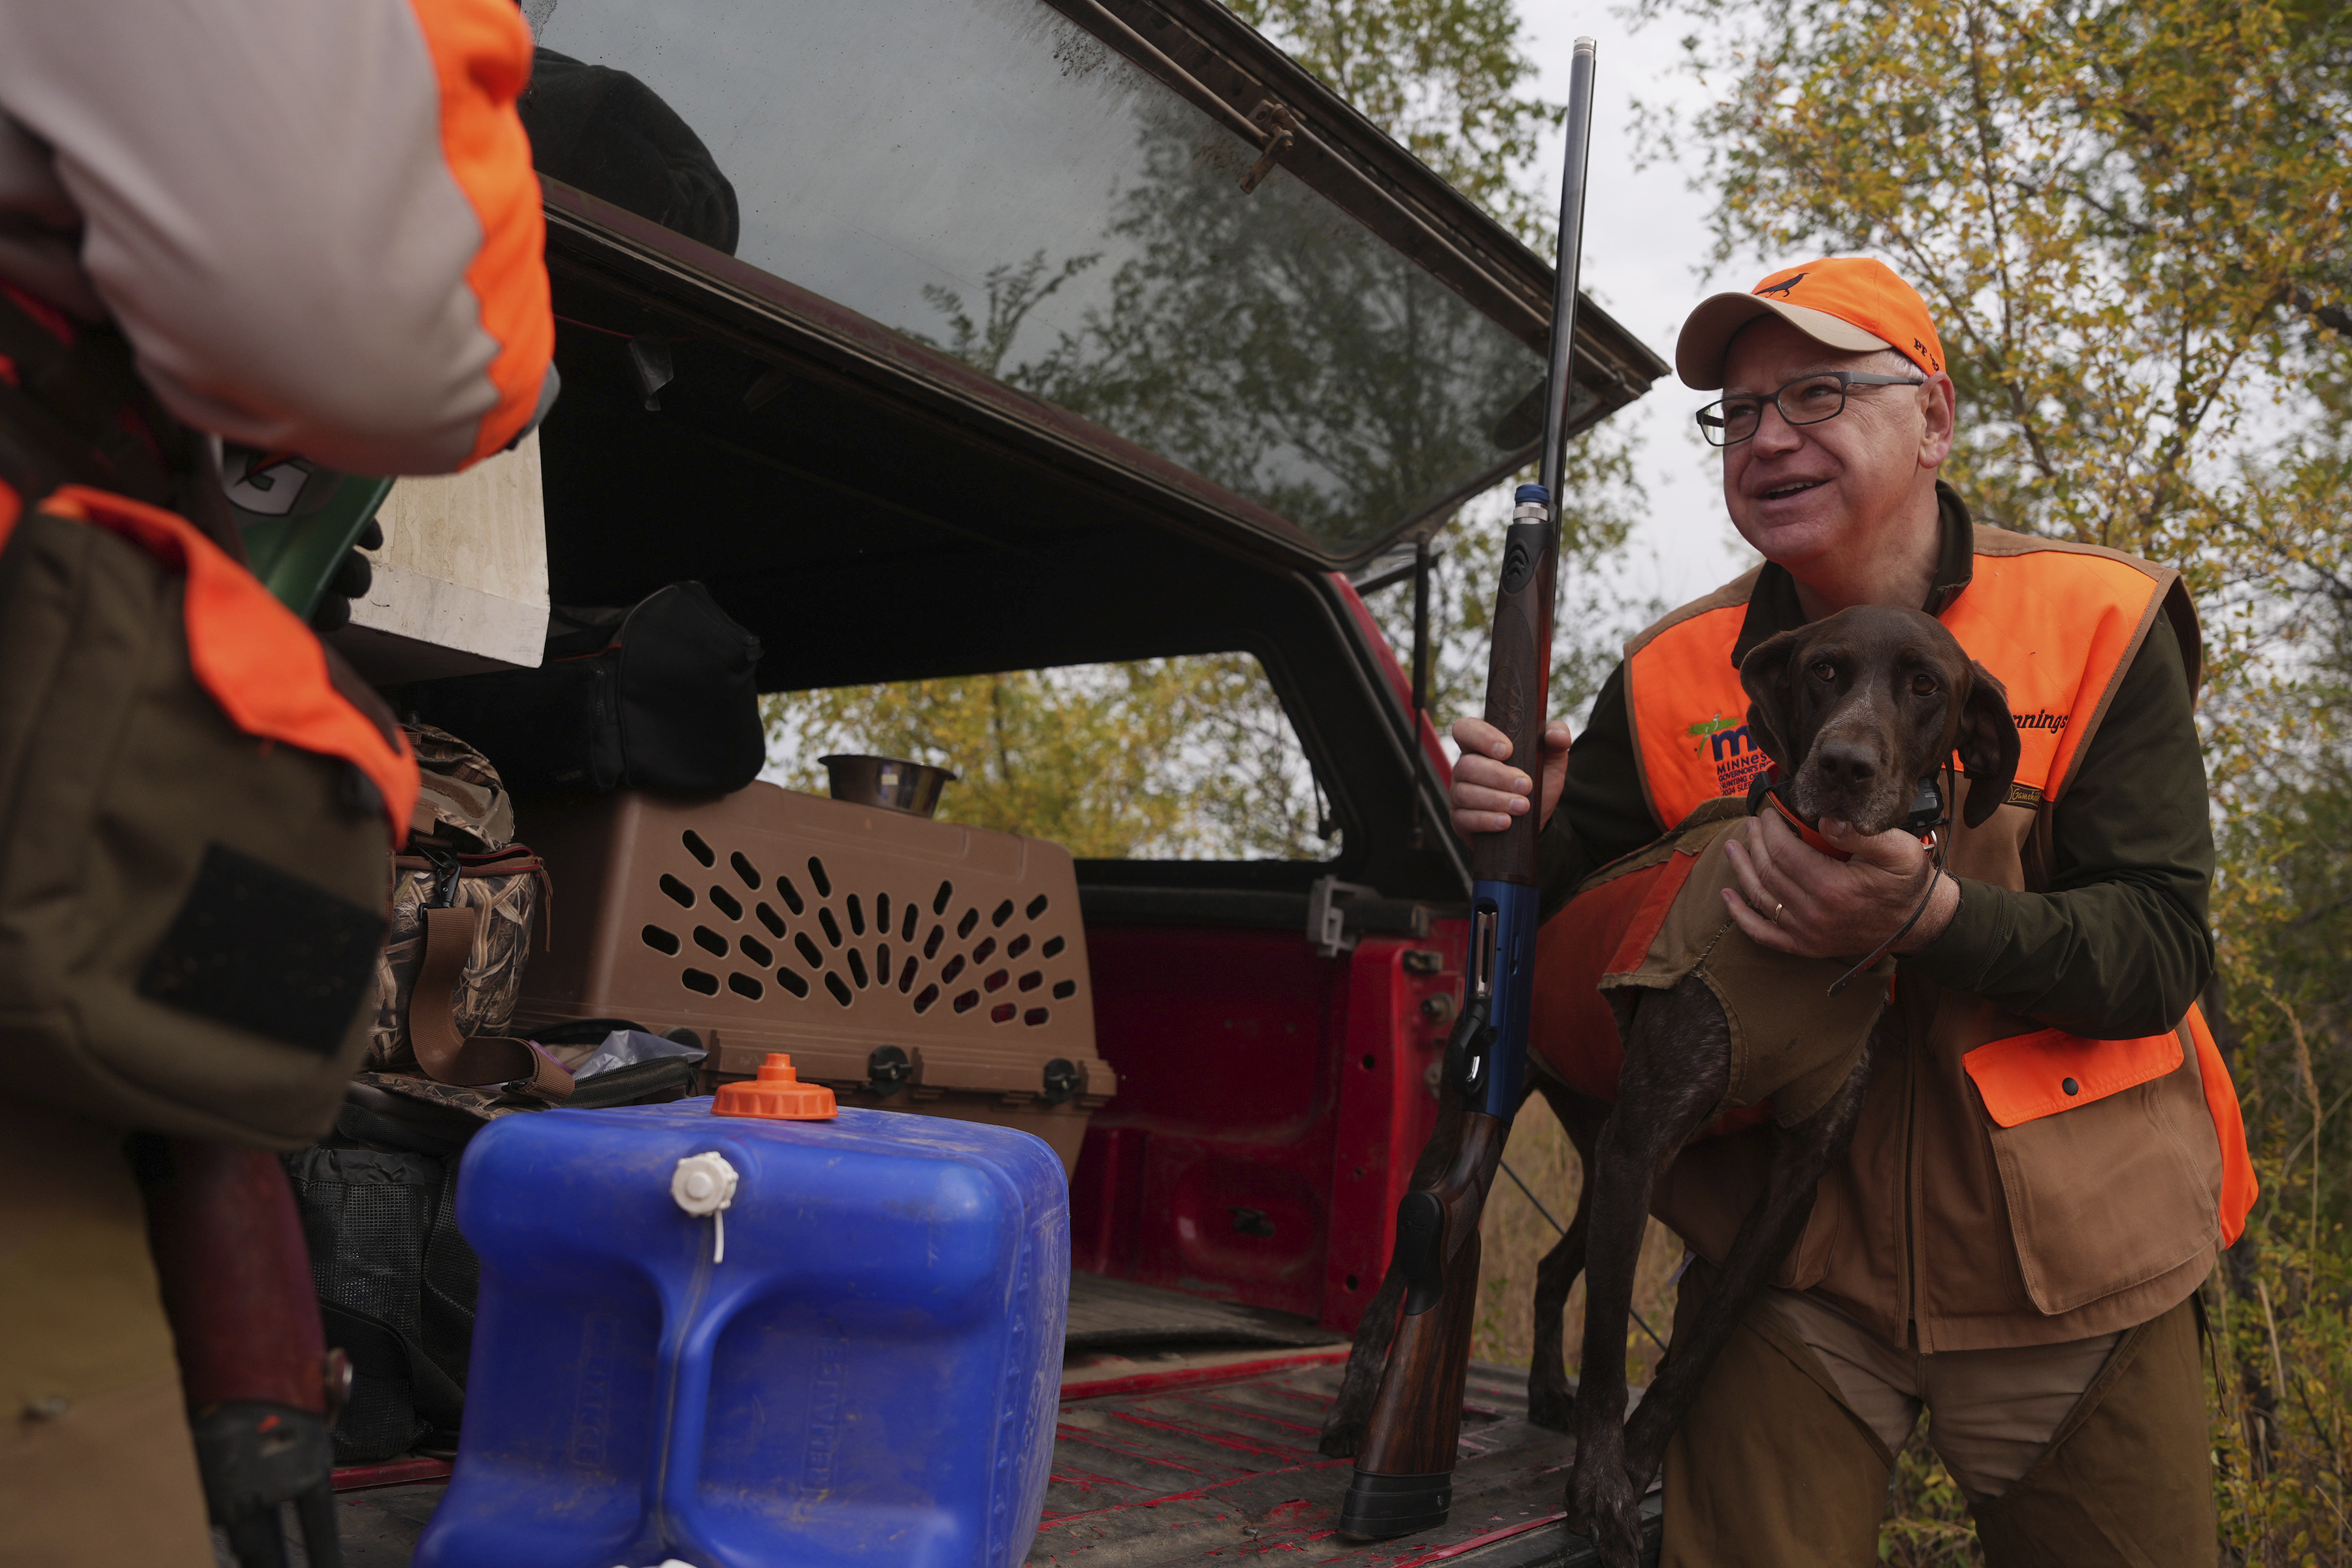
pixel 97 1468
pixel 2083 1454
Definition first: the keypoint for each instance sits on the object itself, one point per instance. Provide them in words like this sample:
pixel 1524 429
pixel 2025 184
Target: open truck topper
pixel 1270 323
pixel 952 337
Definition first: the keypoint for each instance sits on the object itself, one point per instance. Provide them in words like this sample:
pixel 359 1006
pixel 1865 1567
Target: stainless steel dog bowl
pixel 891 783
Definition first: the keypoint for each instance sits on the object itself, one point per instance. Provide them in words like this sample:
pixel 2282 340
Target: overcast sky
pixel 1645 251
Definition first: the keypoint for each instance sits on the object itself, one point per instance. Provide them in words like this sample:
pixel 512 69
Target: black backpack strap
pixel 379 1349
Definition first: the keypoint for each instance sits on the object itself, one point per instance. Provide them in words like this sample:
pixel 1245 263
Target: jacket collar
pixel 1772 606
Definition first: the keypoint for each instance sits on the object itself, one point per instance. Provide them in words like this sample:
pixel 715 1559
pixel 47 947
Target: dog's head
pixel 1857 708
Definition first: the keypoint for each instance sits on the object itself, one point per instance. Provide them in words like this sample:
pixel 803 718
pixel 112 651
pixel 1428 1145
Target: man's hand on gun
pixel 1487 790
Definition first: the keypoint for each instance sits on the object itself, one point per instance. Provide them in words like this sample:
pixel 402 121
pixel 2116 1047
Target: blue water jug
pixel 740 1342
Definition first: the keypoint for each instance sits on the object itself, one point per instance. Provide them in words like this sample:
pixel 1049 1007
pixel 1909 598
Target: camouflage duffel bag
pixel 464 898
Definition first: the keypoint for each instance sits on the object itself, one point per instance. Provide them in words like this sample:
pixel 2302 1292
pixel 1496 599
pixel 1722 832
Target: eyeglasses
pixel 1808 400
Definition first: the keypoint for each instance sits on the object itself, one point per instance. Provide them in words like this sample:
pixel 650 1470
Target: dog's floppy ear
pixel 1765 675
pixel 1987 744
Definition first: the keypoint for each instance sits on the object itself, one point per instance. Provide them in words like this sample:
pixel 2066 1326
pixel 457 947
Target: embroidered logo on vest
pixel 2044 720
pixel 1737 758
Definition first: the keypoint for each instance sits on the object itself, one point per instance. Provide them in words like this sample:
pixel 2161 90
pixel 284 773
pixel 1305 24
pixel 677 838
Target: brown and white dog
pixel 1856 711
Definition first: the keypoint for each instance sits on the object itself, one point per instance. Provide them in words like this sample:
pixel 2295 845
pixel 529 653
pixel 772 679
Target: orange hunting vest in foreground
pixel 2009 1184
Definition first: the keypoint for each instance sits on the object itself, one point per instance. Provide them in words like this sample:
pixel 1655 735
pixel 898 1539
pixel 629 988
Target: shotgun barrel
pixel 1404 1471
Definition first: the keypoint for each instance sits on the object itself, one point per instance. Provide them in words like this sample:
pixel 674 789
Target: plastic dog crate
pixel 908 964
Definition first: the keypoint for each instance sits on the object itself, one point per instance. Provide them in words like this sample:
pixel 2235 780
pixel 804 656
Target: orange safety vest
pixel 2057 625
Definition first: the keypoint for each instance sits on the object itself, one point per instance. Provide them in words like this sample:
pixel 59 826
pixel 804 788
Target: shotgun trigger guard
pixel 1469 1051
pixel 1421 1250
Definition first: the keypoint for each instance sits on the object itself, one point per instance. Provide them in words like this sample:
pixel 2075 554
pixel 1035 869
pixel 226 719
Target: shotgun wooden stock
pixel 1417 1420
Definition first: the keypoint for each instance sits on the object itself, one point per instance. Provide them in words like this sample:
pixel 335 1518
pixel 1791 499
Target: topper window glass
pixel 1159 759
pixel 987 176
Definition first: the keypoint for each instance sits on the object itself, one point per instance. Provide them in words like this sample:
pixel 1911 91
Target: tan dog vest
pixel 1655 917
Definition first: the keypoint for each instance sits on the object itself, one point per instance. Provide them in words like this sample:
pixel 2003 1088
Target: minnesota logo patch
pixel 1737 757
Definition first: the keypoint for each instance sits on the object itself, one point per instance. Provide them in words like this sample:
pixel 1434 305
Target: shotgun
pixel 1404 1470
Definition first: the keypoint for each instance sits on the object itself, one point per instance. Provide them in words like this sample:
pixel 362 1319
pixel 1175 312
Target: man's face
pixel 1798 493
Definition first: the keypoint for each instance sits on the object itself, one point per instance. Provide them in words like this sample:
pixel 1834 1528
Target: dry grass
pixel 2282 1406
pixel 1927 1523
pixel 1514 1238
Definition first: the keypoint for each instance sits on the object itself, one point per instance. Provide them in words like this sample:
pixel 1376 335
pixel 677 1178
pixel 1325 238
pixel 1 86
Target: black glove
pixel 353 578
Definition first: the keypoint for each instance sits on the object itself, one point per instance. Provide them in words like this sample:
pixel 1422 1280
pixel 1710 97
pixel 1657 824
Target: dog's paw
pixel 1343 1434
pixel 1573 1512
pixel 1600 1501
pixel 1617 1537
pixel 1551 1403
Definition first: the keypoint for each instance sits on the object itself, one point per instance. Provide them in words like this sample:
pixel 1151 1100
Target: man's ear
pixel 1987 744
pixel 1764 675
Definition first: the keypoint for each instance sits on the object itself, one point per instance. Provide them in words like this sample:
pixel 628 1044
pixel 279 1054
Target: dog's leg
pixel 1677 1063
pixel 1551 1402
pixel 1799 1159
pixel 1367 1358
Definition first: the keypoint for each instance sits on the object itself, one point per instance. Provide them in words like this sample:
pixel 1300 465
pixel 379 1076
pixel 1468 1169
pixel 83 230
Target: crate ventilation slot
pixel 858 947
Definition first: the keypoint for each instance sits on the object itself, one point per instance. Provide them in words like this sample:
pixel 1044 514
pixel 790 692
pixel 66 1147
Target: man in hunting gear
pixel 309 228
pixel 2046 1169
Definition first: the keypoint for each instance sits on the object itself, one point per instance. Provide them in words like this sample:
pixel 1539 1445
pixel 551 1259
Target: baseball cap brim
pixel 1706 334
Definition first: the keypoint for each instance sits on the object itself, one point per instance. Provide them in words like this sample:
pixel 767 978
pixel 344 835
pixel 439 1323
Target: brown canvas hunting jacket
pixel 2082 917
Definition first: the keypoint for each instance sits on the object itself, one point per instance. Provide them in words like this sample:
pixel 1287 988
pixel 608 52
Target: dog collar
pixel 1812 837
pixel 1928 804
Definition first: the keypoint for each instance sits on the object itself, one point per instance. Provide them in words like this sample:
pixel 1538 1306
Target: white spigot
pixel 704 1184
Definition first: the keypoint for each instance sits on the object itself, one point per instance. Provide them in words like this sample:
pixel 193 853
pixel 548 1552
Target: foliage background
pixel 2130 222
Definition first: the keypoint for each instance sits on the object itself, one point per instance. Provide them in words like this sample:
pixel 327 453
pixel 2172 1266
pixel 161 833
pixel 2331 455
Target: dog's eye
pixel 1825 670
pixel 1924 685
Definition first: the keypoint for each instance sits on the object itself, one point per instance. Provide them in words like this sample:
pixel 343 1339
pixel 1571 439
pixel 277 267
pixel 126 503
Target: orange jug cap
pixel 776 1095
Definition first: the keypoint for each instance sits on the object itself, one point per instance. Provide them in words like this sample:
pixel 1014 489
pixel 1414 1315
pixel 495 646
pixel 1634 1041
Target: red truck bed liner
pixel 1191 1468
pixel 1187 1435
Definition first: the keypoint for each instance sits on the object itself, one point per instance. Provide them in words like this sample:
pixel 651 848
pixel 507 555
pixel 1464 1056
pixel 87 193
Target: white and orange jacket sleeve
pixel 315 220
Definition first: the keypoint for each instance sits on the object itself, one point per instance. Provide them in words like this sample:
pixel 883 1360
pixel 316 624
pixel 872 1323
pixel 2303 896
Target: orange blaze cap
pixel 1846 302
pixel 776 1095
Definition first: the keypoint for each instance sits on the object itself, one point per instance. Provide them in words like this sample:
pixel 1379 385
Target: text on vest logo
pixel 1737 759
pixel 2046 719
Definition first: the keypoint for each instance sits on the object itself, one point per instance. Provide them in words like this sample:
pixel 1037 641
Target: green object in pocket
pixel 296 556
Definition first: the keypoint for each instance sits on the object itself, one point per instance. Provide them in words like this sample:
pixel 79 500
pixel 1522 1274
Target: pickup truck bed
pixel 1187 1434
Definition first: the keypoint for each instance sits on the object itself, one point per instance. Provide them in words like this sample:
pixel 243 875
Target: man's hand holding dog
pixel 1799 900
pixel 1489 794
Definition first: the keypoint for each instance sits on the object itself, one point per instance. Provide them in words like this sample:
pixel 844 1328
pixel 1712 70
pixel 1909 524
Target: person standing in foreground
pixel 2042 1177
pixel 310 228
